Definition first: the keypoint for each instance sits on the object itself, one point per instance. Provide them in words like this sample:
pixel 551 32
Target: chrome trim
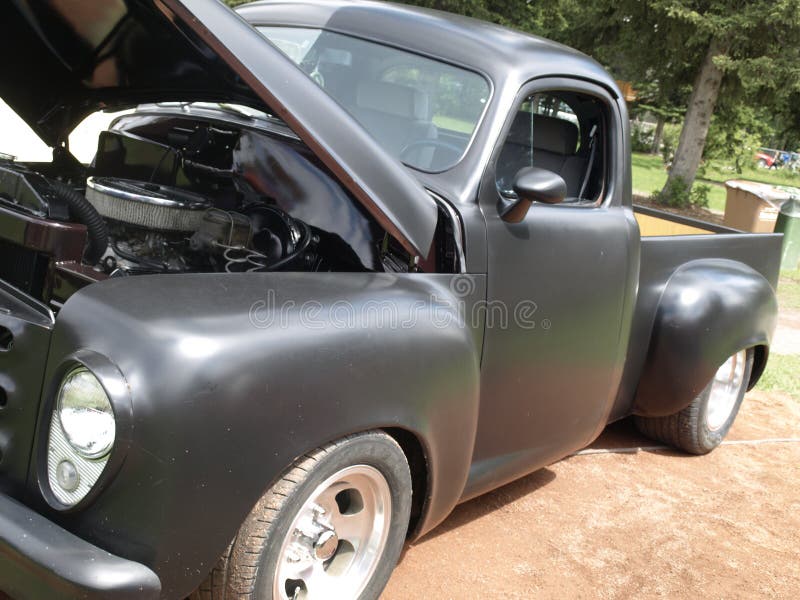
pixel 137 192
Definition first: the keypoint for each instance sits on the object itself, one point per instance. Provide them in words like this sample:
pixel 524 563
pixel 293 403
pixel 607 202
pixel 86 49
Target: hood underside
pixel 75 57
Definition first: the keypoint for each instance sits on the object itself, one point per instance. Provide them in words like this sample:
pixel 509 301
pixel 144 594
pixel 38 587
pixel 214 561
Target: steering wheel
pixel 433 143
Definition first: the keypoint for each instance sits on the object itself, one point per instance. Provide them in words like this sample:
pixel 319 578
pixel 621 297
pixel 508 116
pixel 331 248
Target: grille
pixel 23 268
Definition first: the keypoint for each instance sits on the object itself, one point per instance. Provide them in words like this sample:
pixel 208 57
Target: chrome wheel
pixel 337 538
pixel 725 390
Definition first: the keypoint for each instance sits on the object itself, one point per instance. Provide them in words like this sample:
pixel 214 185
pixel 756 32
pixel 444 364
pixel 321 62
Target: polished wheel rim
pixel 725 390
pixel 337 538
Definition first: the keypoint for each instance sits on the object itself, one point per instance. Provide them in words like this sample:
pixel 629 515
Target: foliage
pixel 641 137
pixel 669 142
pixel 737 131
pixel 677 193
pixel 543 18
pixel 699 195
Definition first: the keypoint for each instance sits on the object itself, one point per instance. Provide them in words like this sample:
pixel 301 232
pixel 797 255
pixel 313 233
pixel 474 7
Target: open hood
pixel 69 58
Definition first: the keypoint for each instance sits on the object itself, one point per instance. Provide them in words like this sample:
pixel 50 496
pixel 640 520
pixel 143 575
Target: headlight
pixel 86 415
pixel 82 435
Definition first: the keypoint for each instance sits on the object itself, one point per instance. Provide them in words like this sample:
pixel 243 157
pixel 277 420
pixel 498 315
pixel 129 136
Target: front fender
pixel 233 377
pixel 709 310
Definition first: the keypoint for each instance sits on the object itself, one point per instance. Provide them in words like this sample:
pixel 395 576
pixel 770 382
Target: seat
pixel 397 116
pixel 554 148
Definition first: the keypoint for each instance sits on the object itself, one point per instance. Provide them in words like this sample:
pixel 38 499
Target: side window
pixel 562 132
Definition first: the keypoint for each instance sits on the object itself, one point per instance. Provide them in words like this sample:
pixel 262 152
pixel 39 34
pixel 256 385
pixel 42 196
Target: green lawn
pixel 782 375
pixel 720 173
pixel 789 290
pixel 649 175
pixel 783 372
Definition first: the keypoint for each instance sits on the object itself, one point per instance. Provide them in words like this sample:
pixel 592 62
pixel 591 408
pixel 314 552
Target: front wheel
pixel 701 426
pixel 332 527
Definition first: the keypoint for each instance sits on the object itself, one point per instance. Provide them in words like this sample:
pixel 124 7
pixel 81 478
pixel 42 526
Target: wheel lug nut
pixel 326 545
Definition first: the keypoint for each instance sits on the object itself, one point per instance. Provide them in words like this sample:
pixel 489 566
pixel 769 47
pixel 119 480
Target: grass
pixel 783 372
pixel 716 171
pixel 789 291
pixel 782 375
pixel 650 175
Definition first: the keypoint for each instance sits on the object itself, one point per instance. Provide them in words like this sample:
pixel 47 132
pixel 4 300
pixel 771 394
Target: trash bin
pixel 753 206
pixel 789 225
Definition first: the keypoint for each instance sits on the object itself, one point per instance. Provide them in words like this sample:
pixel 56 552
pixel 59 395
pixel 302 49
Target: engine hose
pixel 82 211
pixel 302 247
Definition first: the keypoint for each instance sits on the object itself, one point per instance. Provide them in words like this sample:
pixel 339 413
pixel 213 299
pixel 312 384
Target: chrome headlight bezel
pixel 55 445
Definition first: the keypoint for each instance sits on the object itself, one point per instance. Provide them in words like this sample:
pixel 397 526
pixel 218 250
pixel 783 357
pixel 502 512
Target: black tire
pixel 248 570
pixel 688 429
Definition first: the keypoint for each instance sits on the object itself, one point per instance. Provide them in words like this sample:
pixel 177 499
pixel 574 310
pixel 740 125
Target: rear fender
pixel 709 310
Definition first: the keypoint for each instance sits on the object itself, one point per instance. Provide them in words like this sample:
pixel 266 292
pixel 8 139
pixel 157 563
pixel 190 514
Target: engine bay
pixel 169 193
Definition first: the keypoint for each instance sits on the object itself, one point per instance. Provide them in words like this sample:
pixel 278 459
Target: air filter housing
pixel 147 205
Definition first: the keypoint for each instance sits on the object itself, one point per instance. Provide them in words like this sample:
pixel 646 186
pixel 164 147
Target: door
pixel 561 284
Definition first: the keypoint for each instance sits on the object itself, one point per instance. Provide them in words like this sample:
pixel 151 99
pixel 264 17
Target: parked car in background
pixel 766 158
pixel 347 265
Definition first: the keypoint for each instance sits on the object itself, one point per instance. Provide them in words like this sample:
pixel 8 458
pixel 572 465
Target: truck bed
pixel 668 242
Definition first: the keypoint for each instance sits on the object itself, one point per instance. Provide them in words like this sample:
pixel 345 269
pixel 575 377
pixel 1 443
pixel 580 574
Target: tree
pixel 681 55
pixel 541 18
pixel 755 43
pixel 635 46
pixel 685 52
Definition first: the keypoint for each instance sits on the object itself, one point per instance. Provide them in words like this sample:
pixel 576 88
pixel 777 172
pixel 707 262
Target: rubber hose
pixel 82 211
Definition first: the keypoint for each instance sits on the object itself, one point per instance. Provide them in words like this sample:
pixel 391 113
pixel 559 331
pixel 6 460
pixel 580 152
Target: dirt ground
pixel 649 524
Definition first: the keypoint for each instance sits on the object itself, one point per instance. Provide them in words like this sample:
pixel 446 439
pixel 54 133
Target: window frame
pixel 614 160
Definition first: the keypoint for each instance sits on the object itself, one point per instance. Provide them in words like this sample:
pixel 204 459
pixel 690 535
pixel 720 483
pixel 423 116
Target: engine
pixel 172 193
pixel 154 228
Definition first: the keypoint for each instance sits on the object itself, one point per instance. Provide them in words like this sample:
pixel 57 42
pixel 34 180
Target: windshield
pixel 420 110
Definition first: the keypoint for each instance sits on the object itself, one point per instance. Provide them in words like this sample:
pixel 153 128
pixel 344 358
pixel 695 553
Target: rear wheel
pixel 701 426
pixel 332 527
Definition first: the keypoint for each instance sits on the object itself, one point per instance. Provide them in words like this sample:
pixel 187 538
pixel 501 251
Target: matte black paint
pixel 709 310
pixel 221 407
pixel 41 560
pixel 22 363
pixel 547 391
pixel 661 258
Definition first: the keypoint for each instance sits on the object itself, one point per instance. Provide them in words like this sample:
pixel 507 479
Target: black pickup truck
pixel 343 266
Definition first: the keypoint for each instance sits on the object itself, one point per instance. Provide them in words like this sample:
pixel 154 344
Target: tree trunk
pixel 658 136
pixel 698 118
